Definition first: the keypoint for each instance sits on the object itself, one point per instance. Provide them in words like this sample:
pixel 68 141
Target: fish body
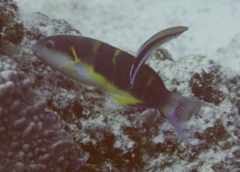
pixel 93 62
pixel 99 64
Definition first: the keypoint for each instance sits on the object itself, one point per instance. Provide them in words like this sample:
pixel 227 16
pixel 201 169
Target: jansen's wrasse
pixel 99 64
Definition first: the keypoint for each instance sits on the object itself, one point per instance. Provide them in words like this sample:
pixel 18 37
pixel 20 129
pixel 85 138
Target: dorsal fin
pixel 151 44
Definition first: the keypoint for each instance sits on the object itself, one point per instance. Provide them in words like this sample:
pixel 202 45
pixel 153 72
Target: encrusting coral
pixel 30 139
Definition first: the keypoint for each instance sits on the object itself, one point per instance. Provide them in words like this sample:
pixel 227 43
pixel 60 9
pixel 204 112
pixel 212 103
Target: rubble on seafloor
pixel 50 122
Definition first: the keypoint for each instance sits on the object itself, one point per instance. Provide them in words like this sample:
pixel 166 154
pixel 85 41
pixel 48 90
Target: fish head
pixel 54 51
pixel 59 52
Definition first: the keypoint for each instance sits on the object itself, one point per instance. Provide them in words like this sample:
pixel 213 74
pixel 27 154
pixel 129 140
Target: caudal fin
pixel 179 110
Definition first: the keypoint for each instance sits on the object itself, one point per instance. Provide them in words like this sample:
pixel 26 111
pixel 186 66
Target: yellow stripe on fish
pixel 117 94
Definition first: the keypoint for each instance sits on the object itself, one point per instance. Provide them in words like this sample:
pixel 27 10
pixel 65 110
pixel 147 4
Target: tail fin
pixel 179 110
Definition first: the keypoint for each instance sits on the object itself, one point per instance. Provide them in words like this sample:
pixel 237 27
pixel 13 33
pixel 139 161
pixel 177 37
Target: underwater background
pixel 49 122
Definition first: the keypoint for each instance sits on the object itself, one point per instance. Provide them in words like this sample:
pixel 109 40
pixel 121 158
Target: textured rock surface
pixel 107 136
pixel 30 138
pixel 11 28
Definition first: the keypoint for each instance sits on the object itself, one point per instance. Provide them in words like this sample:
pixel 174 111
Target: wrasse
pixel 96 63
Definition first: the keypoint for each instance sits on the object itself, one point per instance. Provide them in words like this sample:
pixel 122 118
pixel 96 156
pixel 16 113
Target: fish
pixel 93 62
pixel 152 44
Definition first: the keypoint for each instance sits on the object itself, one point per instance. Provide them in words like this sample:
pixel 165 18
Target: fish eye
pixel 49 44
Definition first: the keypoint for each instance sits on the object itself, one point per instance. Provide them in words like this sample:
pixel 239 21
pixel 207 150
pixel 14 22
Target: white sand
pixel 214 27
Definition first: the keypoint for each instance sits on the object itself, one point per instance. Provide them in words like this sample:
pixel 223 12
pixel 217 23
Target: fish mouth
pixel 35 52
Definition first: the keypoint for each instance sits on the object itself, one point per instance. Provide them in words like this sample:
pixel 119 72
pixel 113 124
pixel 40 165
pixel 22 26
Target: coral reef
pixel 49 122
pixel 40 25
pixel 11 28
pixel 30 138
